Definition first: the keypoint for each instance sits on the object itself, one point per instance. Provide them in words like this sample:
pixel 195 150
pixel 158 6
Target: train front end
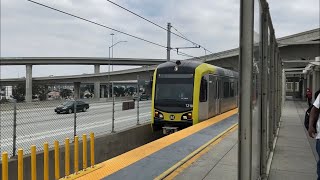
pixel 172 95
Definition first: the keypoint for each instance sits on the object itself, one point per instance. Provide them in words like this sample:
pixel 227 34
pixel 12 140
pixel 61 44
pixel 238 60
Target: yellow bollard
pixel 46 161
pixel 4 166
pixel 56 160
pixel 67 157
pixel 76 154
pixel 92 149
pixel 84 151
pixel 20 164
pixel 33 163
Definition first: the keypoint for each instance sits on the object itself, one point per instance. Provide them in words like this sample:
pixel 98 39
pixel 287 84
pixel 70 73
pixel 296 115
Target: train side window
pixel 203 90
pixel 232 89
pixel 226 89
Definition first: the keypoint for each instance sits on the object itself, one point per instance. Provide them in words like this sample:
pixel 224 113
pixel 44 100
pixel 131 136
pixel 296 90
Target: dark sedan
pixel 142 97
pixel 68 107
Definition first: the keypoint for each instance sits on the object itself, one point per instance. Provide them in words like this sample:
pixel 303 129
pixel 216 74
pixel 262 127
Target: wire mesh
pixel 128 118
pixel 37 122
pixel 6 127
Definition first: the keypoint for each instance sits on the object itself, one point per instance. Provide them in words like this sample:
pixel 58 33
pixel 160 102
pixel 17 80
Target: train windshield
pixel 174 93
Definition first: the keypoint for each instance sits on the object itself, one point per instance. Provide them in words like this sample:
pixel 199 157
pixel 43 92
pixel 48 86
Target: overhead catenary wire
pixel 107 27
pixel 101 25
pixel 181 36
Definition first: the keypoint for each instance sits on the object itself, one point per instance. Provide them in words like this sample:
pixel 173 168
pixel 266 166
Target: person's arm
pixel 314 115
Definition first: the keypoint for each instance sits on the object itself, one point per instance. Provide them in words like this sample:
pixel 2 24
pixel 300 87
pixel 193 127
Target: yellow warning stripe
pixel 117 163
pixel 81 173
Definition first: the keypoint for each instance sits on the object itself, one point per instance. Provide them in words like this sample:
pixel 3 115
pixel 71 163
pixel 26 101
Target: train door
pixel 212 98
pixel 217 95
pixel 203 99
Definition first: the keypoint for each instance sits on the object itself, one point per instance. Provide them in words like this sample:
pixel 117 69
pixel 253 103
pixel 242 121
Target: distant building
pixel 6 92
pixel 54 95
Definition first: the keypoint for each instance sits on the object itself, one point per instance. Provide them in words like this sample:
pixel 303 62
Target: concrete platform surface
pixel 294 156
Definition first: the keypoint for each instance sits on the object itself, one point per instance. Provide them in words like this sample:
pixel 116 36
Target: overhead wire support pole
pixel 245 82
pixel 168 41
pixel 197 46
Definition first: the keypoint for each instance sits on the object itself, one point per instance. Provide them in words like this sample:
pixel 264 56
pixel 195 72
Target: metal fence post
pixel 138 99
pixel 245 81
pixel 14 149
pixel 112 108
pixel 264 92
pixel 75 118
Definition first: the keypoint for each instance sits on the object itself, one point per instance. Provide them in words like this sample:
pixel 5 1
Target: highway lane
pixel 36 126
pixel 35 115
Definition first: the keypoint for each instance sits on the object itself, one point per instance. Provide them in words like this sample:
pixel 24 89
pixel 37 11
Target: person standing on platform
pixel 314 133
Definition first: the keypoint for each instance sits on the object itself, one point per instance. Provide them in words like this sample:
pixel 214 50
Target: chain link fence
pixel 24 124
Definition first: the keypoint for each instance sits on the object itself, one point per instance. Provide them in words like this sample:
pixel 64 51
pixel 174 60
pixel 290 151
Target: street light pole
pixel 112 47
pixel 109 76
pixel 112 34
pixel 110 63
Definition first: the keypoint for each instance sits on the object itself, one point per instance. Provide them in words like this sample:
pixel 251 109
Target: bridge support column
pixel 102 91
pixel 76 88
pixel 97 83
pixel 304 87
pixel 28 83
pixel 308 80
pixel 46 90
pixel 294 88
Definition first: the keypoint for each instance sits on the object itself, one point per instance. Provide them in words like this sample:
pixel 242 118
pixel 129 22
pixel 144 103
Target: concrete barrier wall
pixel 106 147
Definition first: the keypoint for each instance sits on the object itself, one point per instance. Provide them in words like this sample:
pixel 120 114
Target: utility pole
pixel 168 41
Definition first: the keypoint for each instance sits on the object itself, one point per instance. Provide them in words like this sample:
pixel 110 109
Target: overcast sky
pixel 28 29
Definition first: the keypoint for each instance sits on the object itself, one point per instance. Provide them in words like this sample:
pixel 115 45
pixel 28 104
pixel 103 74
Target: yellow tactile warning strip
pixel 117 163
pixel 203 150
pixel 81 173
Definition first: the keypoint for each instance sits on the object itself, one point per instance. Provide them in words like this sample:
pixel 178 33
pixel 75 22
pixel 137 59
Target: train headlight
pixel 189 115
pixel 156 114
pixel 186 116
pixel 160 116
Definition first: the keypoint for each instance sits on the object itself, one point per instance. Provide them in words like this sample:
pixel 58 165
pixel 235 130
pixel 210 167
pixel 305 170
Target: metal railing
pixel 6 175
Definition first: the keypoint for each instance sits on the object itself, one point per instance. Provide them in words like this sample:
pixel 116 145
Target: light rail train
pixel 187 92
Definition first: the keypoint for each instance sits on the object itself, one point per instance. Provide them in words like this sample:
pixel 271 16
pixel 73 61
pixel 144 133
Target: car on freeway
pixel 68 107
pixel 142 97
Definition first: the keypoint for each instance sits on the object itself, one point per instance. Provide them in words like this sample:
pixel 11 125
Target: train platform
pixel 294 156
pixel 158 159
pixel 209 150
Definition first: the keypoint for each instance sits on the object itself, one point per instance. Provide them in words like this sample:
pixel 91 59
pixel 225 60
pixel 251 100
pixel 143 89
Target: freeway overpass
pixel 78 61
pixel 296 52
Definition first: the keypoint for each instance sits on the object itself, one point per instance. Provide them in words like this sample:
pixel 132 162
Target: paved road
pixel 36 126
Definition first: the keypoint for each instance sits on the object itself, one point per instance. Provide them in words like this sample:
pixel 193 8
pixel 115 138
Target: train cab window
pixel 226 89
pixel 203 90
